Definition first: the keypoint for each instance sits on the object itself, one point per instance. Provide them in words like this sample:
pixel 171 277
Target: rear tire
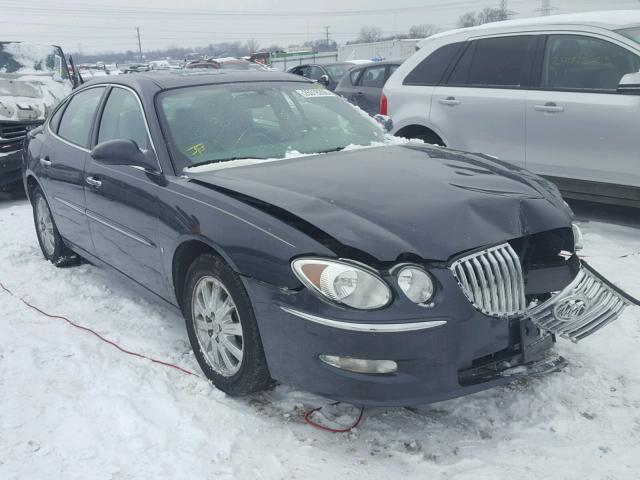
pixel 222 327
pixel 51 243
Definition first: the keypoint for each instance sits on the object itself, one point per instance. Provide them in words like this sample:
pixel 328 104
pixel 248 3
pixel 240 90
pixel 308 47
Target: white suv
pixel 559 95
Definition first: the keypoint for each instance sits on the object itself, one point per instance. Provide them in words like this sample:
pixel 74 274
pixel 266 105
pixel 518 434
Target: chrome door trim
pixel 71 205
pixel 122 230
pixel 366 327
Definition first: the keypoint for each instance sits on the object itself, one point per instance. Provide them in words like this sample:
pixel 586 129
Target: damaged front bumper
pixel 587 304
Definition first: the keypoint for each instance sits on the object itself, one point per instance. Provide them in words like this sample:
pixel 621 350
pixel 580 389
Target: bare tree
pixel 370 34
pixel 252 45
pixel 469 19
pixel 487 15
pixel 422 31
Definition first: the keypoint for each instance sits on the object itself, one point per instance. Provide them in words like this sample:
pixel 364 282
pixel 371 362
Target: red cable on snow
pixel 307 415
pixel 307 418
pixel 106 340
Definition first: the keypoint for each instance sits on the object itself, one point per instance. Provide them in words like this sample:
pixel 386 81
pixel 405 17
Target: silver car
pixel 558 95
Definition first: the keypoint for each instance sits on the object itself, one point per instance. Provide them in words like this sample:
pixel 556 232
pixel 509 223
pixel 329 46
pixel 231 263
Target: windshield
pixel 338 71
pixel 632 33
pixel 259 120
pixel 20 58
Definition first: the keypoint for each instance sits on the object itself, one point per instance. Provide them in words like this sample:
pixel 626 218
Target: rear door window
pixel 501 61
pixel 354 76
pixel 578 62
pixel 78 117
pixel 431 70
pixel 373 77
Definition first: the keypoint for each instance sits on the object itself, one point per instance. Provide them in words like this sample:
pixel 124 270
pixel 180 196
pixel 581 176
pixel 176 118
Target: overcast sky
pixel 109 25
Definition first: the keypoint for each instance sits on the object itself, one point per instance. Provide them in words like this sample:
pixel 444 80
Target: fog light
pixel 359 365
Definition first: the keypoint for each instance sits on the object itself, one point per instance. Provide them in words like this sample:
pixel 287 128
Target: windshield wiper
pixel 220 160
pixel 337 149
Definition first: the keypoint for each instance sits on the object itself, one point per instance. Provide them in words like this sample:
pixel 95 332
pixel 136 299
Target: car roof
pixel 373 64
pixel 164 80
pixel 608 19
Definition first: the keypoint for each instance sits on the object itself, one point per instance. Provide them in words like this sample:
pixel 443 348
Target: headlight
pixel 578 243
pixel 416 284
pixel 343 282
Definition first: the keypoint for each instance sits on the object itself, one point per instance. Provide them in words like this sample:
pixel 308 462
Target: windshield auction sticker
pixel 315 92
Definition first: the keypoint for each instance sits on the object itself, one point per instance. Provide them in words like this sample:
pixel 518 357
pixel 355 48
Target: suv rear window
pixel 431 70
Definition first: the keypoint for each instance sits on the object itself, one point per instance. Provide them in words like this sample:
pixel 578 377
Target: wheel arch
pixel 186 251
pixel 417 130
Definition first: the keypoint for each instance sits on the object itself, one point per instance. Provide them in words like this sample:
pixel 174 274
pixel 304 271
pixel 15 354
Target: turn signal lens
pixel 416 284
pixel 343 282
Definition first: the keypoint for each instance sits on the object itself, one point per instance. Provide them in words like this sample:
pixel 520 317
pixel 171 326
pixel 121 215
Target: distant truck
pixel 385 50
pixel 34 78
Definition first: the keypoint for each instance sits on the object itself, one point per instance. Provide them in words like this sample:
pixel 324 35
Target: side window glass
pixel 373 77
pixel 460 73
pixel 355 75
pixel 77 119
pixel 55 119
pixel 315 72
pixel 392 68
pixel 576 62
pixel 123 119
pixel 432 68
pixel 500 62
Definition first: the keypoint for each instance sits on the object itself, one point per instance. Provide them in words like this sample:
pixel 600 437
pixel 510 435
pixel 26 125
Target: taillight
pixel 383 104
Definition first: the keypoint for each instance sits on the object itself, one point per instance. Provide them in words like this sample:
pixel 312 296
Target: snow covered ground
pixel 72 407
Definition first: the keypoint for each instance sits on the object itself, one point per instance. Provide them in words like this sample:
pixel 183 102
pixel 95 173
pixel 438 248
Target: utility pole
pixel 326 31
pixel 139 43
pixel 545 8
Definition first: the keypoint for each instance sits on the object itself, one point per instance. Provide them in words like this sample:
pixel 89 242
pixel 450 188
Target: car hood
pixel 393 201
pixel 30 97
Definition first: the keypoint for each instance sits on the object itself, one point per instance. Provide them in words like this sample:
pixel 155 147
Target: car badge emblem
pixel 571 308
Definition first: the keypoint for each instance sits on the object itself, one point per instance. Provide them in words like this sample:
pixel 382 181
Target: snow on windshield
pixel 30 59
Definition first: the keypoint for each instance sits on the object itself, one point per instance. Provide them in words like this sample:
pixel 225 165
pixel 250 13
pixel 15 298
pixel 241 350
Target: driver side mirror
pixel 324 80
pixel 385 122
pixel 122 152
pixel 630 84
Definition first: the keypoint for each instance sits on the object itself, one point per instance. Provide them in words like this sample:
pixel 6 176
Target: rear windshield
pixel 262 120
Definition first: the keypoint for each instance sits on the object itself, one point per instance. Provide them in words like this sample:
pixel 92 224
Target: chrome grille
pixel 492 280
pixel 586 305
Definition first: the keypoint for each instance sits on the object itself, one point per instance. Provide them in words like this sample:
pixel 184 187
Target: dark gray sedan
pixel 303 245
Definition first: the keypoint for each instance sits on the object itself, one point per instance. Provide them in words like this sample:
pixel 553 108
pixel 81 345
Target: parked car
pixel 33 79
pixel 556 94
pixel 199 64
pixel 391 274
pixel 135 67
pixel 328 74
pixel 363 85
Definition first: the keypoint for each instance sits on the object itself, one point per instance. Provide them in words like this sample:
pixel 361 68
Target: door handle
pixel 449 101
pixel 359 93
pixel 45 162
pixel 549 107
pixel 93 182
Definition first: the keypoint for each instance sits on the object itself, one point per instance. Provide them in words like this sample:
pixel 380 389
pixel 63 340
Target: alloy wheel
pixel 217 325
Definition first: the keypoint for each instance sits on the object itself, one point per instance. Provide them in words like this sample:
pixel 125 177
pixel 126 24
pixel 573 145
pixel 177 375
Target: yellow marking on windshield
pixel 197 149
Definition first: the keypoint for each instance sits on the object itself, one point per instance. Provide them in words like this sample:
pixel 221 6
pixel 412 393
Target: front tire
pixel 222 328
pixel 51 243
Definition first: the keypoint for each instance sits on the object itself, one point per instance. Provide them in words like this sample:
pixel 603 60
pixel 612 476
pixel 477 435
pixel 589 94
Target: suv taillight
pixel 383 104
